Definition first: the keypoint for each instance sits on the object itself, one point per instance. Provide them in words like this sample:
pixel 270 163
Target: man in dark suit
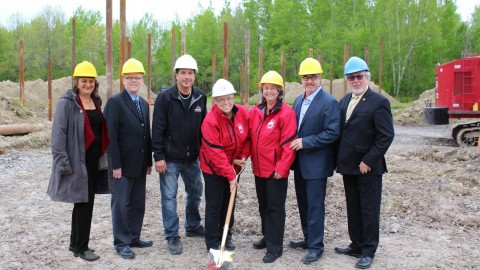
pixel 319 125
pixel 366 136
pixel 130 159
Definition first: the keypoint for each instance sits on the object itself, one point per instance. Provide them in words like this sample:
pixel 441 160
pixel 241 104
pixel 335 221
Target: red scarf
pixel 89 136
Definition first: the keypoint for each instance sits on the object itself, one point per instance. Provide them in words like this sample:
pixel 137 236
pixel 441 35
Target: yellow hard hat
pixel 85 69
pixel 132 65
pixel 310 66
pixel 271 77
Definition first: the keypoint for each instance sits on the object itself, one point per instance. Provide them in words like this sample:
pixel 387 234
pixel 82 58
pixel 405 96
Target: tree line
pixel 417 34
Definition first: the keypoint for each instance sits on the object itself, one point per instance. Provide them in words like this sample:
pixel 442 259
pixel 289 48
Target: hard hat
pixel 222 87
pixel 186 61
pixel 271 77
pixel 310 66
pixel 355 64
pixel 132 65
pixel 85 69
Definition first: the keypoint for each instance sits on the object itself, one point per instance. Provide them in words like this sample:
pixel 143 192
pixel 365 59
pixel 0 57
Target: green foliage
pixel 418 34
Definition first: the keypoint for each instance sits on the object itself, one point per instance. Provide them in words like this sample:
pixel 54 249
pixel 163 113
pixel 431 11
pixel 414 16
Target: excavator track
pixel 466 134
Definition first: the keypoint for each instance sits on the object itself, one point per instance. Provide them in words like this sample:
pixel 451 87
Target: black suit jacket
pixel 130 140
pixel 366 136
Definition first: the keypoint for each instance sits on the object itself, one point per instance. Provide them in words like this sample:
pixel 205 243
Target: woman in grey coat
pixel 79 140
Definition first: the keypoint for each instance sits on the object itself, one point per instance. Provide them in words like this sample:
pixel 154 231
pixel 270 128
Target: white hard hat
pixel 222 87
pixel 186 61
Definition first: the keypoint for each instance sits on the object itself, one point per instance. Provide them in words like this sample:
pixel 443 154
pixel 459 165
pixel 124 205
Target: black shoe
pixel 199 231
pixel 76 254
pixel 270 257
pixel 303 243
pixel 88 256
pixel 364 262
pixel 260 244
pixel 347 250
pixel 311 257
pixel 142 244
pixel 229 245
pixel 126 253
pixel 174 245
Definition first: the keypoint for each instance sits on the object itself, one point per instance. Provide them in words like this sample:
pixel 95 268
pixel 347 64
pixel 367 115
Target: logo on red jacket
pixel 271 124
pixel 240 128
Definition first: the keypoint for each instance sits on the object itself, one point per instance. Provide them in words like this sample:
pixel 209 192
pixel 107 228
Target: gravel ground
pixel 430 214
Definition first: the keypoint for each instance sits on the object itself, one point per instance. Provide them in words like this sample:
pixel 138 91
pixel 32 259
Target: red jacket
pixel 270 140
pixel 223 141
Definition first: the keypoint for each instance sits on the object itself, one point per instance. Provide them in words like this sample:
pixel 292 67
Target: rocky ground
pixel 429 220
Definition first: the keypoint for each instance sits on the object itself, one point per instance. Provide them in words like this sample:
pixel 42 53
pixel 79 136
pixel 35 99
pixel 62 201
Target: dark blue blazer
pixel 130 140
pixel 367 134
pixel 319 130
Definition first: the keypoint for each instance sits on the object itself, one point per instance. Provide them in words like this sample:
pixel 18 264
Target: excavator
pixel 457 96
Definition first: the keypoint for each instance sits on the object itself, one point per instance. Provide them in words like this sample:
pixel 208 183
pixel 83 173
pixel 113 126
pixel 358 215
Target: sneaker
pixel 199 231
pixel 89 256
pixel 174 245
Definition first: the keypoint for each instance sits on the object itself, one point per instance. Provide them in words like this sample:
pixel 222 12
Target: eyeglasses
pixel 131 78
pixel 312 77
pixel 353 77
pixel 224 100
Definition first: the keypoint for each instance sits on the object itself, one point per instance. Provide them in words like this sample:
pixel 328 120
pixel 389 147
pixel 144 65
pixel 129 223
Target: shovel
pixel 222 259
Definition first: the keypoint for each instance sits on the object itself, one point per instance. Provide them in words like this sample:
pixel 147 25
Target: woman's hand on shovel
pixel 233 183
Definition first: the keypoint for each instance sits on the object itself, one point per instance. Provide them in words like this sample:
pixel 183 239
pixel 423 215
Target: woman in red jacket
pixel 273 126
pixel 224 133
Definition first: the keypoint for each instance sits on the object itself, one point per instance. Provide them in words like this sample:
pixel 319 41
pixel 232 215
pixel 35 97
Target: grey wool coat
pixel 69 179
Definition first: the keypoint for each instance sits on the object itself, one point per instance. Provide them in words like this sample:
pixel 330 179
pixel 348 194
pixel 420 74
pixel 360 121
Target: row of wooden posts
pixel 126 53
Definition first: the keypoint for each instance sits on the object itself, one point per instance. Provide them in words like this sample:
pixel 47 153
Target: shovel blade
pixel 218 259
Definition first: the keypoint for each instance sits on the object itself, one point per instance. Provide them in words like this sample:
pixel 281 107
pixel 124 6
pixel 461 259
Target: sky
pixel 135 9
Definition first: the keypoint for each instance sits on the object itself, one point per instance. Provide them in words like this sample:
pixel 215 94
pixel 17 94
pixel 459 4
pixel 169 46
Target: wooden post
pixel 108 49
pixel 184 42
pixel 21 72
pixel 260 71
pixel 74 42
pixel 173 54
pixel 242 81
pixel 247 67
pixel 345 58
pixel 123 38
pixel 49 90
pixel 366 54
pixel 225 51
pixel 319 58
pixel 331 80
pixel 214 68
pixel 283 65
pixel 129 48
pixel 149 68
pixel 310 52
pixel 380 66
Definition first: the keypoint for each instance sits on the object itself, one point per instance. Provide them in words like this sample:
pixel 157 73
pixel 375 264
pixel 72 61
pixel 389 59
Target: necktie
pixel 138 107
pixel 351 105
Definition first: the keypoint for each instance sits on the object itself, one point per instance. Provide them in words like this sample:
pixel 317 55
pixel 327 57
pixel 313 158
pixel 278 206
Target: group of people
pixel 315 137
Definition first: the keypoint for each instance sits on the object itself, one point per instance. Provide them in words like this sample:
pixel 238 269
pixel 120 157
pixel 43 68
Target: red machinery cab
pixel 458 87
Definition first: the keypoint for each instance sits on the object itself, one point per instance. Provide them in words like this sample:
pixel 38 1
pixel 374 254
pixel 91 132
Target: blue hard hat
pixel 355 64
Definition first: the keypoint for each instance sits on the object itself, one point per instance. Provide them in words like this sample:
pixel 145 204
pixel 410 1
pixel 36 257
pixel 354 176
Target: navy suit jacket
pixel 130 140
pixel 319 130
pixel 367 134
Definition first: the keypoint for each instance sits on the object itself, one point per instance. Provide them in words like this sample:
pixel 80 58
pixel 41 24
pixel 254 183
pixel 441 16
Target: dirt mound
pixel 413 114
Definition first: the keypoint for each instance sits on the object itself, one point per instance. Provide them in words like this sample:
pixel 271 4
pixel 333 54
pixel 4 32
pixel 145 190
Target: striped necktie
pixel 351 105
pixel 138 107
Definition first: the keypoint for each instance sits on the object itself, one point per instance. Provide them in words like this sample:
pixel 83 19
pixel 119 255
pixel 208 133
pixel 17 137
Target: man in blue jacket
pixel 318 119
pixel 177 117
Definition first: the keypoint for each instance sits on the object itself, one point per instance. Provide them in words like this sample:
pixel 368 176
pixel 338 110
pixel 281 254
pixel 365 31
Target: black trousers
pixel 363 195
pixel 217 196
pixel 82 212
pixel 271 195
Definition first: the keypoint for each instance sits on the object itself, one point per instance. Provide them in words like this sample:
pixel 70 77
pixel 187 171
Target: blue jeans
pixel 192 180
